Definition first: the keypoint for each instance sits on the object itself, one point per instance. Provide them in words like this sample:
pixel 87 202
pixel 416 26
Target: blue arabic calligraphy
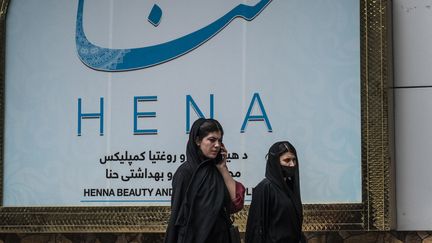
pixel 111 60
pixel 155 15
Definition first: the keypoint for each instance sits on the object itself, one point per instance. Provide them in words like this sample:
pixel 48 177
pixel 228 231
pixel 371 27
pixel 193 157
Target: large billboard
pixel 100 95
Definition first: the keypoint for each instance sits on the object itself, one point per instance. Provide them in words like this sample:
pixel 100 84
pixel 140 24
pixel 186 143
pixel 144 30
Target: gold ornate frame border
pixel 374 213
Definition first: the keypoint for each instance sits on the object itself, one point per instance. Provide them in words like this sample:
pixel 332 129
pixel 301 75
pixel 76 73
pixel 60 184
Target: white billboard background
pixel 302 58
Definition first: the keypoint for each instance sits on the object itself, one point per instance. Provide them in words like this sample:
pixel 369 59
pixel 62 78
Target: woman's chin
pixel 211 156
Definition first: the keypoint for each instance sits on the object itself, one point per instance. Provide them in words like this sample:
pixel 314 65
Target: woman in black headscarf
pixel 276 214
pixel 204 193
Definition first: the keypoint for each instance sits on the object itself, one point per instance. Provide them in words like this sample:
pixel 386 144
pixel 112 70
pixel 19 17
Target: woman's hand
pixel 222 165
pixel 223 169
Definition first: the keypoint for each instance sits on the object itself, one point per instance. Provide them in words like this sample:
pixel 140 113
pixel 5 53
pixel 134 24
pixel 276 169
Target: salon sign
pixel 100 95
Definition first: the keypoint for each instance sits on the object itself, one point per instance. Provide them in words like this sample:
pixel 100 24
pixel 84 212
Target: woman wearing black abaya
pixel 204 193
pixel 276 214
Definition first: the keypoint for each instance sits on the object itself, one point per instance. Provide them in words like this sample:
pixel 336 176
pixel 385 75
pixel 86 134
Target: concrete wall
pixel 412 38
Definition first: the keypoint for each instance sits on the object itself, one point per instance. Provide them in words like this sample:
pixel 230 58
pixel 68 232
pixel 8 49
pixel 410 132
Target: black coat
pixel 275 214
pixel 199 200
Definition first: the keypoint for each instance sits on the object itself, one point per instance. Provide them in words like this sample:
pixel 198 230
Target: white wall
pixel 412 33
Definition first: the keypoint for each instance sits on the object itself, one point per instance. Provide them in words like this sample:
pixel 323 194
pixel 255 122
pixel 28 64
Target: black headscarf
pixel 193 153
pixel 199 194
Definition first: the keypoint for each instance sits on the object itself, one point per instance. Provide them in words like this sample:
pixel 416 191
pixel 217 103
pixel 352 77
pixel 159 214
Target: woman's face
pixel 288 159
pixel 211 144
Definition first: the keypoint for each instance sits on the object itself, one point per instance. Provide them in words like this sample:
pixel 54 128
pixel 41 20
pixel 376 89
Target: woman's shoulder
pixel 183 171
pixel 264 186
pixel 264 183
pixel 184 168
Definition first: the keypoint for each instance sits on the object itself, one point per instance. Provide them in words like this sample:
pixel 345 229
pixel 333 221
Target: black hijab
pixel 199 193
pixel 193 153
pixel 274 170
